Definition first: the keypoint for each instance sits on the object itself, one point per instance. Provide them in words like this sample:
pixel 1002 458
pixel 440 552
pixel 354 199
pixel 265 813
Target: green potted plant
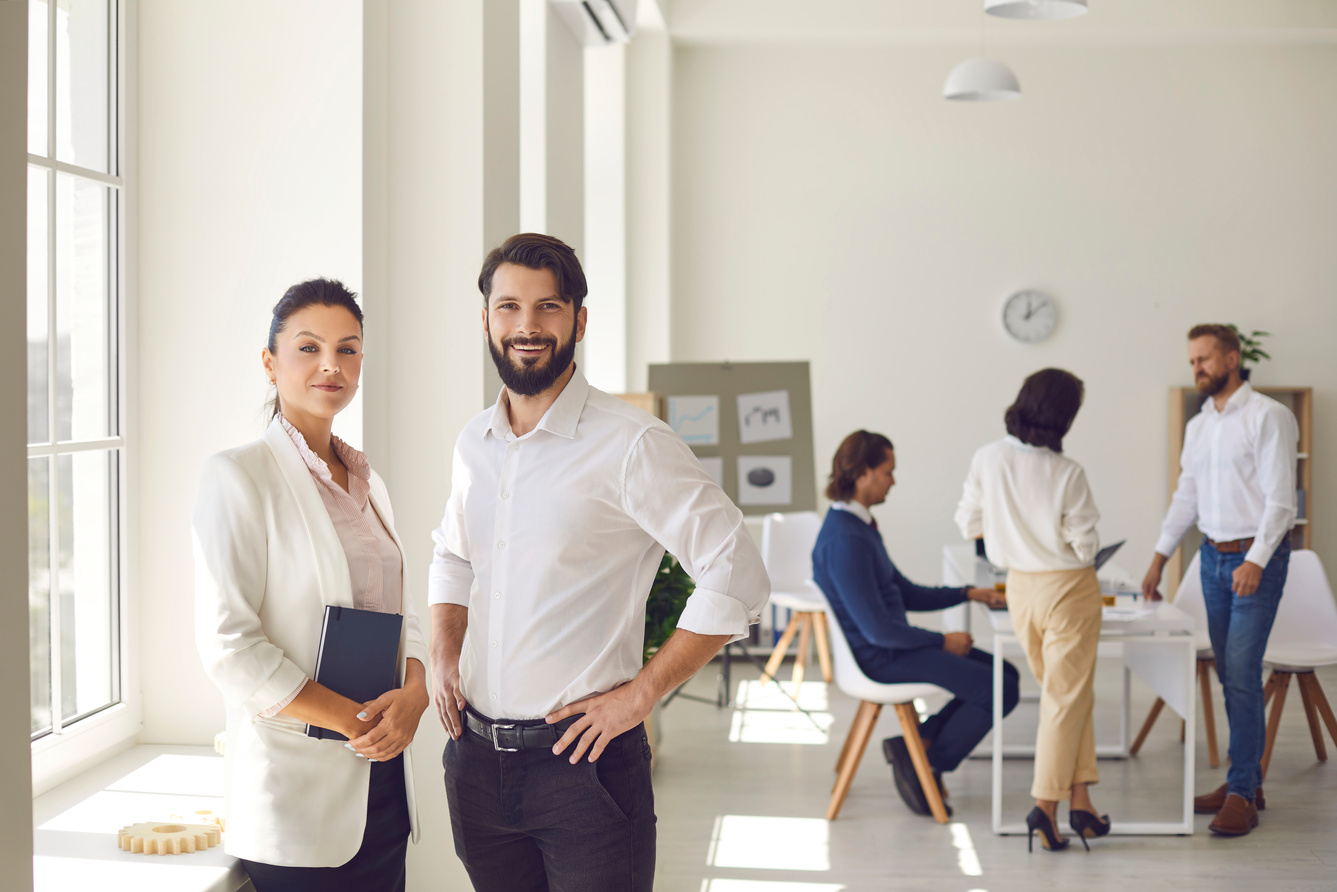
pixel 668 595
pixel 1251 348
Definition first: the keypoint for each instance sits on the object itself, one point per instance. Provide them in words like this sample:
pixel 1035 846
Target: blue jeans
pixel 1239 628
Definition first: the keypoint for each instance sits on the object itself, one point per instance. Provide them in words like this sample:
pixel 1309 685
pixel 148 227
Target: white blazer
pixel 267 562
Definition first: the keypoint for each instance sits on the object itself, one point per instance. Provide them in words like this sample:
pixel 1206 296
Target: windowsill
pixel 75 825
pixel 62 757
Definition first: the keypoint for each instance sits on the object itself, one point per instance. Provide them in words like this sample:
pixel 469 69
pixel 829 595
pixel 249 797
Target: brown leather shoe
pixel 1236 818
pixel 1212 802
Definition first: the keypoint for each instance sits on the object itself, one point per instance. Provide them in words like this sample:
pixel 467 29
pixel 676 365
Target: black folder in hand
pixel 358 658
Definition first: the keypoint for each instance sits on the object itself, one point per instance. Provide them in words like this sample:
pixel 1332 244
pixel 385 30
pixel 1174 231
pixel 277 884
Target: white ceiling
pixel 1127 22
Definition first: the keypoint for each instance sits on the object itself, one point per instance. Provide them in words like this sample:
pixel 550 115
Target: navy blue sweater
pixel 868 594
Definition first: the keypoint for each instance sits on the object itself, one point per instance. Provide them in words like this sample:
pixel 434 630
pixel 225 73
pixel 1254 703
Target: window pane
pixel 84 383
pixel 86 482
pixel 83 83
pixel 37 81
pixel 37 307
pixel 39 592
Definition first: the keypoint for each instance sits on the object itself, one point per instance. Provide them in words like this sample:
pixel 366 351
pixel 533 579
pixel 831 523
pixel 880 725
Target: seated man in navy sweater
pixel 870 598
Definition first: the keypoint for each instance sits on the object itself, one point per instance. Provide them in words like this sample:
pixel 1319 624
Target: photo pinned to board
pixel 765 480
pixel 696 419
pixel 763 417
pixel 714 466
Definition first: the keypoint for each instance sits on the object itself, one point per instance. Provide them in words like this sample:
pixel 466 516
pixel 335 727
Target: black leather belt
pixel 514 737
pixel 1235 546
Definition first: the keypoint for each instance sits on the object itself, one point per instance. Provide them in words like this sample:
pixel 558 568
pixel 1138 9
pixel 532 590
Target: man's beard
pixel 532 377
pixel 1212 386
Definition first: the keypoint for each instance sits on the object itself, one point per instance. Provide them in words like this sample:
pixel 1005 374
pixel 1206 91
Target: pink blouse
pixel 375 566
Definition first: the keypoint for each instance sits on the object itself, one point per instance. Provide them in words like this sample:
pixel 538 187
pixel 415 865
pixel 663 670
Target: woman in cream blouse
pixel 1032 505
pixel 285 526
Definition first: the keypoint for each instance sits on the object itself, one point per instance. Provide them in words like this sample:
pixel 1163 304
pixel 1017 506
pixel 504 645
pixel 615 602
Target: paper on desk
pixel 1126 614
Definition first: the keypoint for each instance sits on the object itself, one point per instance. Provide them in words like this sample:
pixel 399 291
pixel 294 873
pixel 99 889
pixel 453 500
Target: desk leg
pixel 1190 732
pixel 998 734
pixel 1125 717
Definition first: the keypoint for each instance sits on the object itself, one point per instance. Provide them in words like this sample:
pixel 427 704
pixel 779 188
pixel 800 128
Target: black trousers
pixel 378 865
pixel 533 822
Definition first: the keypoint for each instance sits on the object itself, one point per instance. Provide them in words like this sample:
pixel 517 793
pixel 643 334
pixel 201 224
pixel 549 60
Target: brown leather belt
pixel 1235 546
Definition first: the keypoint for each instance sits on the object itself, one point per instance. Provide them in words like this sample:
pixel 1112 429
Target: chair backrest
pixel 1307 615
pixel 786 550
pixel 1188 598
pixel 849 677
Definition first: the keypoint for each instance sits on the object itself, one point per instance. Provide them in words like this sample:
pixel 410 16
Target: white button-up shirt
pixel 553 539
pixel 1237 475
pixel 1032 505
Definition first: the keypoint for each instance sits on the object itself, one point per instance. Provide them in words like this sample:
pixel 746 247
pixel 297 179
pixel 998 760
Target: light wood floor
pixel 740 796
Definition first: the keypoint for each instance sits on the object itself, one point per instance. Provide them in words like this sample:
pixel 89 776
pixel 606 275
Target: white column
pixel 605 255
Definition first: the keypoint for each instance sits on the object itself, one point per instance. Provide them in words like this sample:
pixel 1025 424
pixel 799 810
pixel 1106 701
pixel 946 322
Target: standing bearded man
pixel 1237 481
pixel 563 501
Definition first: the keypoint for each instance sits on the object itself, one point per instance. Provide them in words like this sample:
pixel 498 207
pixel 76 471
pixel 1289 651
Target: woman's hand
pixel 392 718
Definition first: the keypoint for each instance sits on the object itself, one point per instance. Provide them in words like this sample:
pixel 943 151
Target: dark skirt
pixel 378 865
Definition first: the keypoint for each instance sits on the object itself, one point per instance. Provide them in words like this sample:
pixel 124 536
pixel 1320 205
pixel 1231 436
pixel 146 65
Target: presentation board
pixel 750 423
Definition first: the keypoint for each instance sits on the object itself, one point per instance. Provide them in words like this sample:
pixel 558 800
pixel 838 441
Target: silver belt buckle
pixel 496 745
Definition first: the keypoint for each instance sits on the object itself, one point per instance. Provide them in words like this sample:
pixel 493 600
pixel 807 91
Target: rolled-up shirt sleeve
pixel 451 576
pixel 1275 457
pixel 673 499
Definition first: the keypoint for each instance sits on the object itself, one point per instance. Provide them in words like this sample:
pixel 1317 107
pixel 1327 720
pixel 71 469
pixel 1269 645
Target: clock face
pixel 1029 316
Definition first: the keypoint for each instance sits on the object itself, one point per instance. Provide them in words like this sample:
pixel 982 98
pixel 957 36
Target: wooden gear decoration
pixel 168 839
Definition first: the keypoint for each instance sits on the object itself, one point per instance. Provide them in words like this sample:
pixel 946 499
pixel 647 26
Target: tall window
pixel 74 429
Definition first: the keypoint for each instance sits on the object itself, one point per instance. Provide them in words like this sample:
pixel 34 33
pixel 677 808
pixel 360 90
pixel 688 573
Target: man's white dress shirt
pixel 858 509
pixel 1032 505
pixel 552 541
pixel 1237 475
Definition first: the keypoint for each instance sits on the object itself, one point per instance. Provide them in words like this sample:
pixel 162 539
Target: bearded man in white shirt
pixel 563 501
pixel 1237 482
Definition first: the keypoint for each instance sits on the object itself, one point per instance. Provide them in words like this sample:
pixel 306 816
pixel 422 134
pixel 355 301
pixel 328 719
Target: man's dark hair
pixel 1225 336
pixel 311 293
pixel 858 452
pixel 1045 407
pixel 537 251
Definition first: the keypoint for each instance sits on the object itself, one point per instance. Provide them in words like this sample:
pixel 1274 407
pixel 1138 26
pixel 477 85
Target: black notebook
pixel 359 653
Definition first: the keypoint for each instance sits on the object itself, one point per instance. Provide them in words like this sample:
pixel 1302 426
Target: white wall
pixel 250 159
pixel 15 776
pixel 828 205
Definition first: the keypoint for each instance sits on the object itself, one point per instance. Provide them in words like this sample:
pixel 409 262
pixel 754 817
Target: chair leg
pixel 910 729
pixel 1146 726
pixel 862 729
pixel 1269 689
pixel 1321 703
pixel 1311 715
pixel 823 648
pixel 849 738
pixel 1208 711
pixel 1282 682
pixel 781 648
pixel 804 645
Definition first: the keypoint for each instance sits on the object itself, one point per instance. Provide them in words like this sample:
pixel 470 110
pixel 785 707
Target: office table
pixel 1158 646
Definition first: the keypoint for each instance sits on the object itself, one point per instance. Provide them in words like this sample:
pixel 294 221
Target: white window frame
pixel 65 752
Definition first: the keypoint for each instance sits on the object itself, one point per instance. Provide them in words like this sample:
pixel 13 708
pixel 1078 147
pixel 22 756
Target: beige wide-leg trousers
pixel 1056 617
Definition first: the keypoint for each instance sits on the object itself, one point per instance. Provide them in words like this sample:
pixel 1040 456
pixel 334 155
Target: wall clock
pixel 1029 316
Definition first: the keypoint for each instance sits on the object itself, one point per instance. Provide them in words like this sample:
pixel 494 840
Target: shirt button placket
pixel 500 572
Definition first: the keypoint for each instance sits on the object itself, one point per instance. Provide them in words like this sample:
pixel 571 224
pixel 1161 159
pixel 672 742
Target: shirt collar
pixel 855 508
pixel 1022 444
pixel 1237 399
pixel 562 417
pixel 354 461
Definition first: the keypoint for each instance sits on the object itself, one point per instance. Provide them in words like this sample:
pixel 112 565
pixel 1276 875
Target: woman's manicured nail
pixel 348 746
pixel 362 715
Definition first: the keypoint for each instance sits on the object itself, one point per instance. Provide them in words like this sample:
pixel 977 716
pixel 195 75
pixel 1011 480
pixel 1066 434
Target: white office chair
pixel 1188 598
pixel 872 696
pixel 786 550
pixel 1304 636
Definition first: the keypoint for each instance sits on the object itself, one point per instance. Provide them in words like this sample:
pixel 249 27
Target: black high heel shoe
pixel 1088 826
pixel 1038 820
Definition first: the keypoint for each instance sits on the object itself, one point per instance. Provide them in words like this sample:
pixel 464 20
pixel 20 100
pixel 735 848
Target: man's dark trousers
pixel 533 822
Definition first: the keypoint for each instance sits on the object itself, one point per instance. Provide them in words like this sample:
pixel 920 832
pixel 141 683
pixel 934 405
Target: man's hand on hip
pixel 448 696
pixel 1244 581
pixel 605 717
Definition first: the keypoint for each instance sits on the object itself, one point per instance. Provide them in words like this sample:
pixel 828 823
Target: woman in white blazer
pixel 284 527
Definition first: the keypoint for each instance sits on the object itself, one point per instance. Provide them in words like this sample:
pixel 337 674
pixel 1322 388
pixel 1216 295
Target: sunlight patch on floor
pixel 770 843
pixel 767 886
pixel 966 856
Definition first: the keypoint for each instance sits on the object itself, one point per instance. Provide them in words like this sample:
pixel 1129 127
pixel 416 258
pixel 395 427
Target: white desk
pixel 1160 649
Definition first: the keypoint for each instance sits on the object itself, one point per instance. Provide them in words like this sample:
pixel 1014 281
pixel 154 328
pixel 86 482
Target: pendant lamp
pixel 981 80
pixel 1035 9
